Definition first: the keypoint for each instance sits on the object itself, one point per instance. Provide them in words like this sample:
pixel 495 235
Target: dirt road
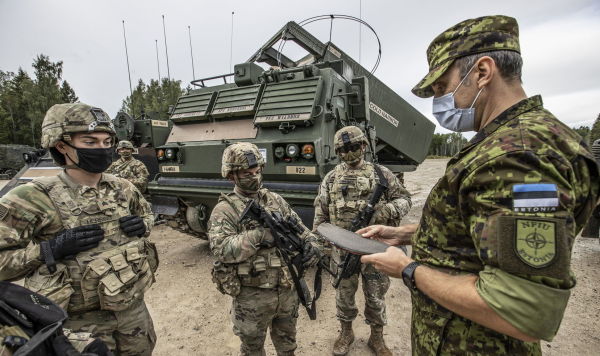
pixel 192 318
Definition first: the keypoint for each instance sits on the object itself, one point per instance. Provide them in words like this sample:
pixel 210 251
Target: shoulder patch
pixel 535 242
pixel 3 211
pixel 535 198
pixel 534 245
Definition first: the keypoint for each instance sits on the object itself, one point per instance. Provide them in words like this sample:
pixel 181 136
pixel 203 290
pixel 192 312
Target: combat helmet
pixel 348 136
pixel 240 155
pixel 124 144
pixel 62 120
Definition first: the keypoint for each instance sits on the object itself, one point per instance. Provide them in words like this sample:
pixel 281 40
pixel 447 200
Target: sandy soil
pixel 192 318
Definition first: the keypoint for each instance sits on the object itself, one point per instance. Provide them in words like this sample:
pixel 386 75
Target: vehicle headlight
pixel 292 150
pixel 279 152
pixel 170 153
pixel 308 151
pixel 160 154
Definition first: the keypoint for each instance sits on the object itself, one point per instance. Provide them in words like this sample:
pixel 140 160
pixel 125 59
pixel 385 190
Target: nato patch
pixel 535 242
pixel 535 198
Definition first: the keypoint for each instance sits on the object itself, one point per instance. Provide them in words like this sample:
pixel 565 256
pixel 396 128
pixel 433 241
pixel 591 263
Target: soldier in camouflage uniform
pixel 79 238
pixel 344 192
pixel 249 266
pixel 490 271
pixel 128 167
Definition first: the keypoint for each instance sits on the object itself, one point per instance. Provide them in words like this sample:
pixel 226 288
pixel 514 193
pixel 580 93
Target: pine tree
pixel 25 100
pixel 153 97
pixel 595 132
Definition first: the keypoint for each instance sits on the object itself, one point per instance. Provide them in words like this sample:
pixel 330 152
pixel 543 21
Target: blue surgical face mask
pixel 451 117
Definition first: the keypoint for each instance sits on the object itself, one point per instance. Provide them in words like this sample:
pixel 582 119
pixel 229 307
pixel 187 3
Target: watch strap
pixel 408 275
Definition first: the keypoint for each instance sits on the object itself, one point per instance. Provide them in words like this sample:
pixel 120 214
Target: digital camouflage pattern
pixel 470 224
pixel 343 193
pixel 266 296
pixel 132 170
pixel 482 34
pixel 38 210
pixel 63 119
pixel 235 157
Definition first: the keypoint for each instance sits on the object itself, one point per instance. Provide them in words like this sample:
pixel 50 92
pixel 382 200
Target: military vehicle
pixel 592 228
pixel 145 132
pixel 291 112
pixel 11 159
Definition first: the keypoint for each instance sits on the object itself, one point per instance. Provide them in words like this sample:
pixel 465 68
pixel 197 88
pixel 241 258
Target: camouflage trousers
pixel 437 331
pixel 128 332
pixel 374 286
pixel 256 309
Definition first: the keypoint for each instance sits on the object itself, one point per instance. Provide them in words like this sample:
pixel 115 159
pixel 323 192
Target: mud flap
pixel 165 205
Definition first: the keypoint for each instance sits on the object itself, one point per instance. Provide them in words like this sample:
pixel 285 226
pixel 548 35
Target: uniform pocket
pixel 55 286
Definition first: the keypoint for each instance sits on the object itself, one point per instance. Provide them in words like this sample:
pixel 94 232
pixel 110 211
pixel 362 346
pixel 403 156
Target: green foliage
pixel 595 132
pixel 154 97
pixel 584 132
pixel 25 100
pixel 445 145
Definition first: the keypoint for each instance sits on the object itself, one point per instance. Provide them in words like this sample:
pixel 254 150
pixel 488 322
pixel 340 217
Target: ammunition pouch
pixel 113 280
pixel 116 279
pixel 226 279
pixel 264 270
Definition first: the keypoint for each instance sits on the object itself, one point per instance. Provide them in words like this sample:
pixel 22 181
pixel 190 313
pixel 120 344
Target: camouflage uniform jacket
pixel 28 216
pixel 131 169
pixel 508 209
pixel 345 191
pixel 239 243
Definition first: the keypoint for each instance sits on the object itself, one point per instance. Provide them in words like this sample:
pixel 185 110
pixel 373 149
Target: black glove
pixel 97 347
pixel 70 242
pixel 132 225
pixel 62 346
pixel 310 255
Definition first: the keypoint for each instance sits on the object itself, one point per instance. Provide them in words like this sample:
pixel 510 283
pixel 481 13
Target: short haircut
pixel 509 63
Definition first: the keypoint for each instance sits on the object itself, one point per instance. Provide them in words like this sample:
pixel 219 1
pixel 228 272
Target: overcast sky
pixel 560 41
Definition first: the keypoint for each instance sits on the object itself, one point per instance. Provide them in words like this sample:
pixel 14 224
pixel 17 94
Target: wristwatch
pixel 408 275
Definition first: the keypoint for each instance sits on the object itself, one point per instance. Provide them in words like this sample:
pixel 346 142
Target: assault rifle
pixel 351 263
pixel 286 234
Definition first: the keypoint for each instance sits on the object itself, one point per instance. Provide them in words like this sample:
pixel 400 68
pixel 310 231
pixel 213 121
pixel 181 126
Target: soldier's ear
pixel 61 147
pixel 486 70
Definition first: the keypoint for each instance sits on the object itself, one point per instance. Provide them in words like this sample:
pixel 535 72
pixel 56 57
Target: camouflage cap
pixel 240 155
pixel 483 34
pixel 124 144
pixel 63 119
pixel 348 135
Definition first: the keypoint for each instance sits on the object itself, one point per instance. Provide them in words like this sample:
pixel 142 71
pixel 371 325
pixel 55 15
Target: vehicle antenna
pixel 128 70
pixel 191 52
pixel 231 46
pixel 359 31
pixel 166 49
pixel 157 61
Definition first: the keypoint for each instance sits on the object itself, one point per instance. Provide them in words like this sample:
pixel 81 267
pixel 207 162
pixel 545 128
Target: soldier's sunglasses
pixel 350 148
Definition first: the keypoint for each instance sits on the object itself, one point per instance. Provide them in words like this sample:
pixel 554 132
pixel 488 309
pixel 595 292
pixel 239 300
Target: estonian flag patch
pixel 535 198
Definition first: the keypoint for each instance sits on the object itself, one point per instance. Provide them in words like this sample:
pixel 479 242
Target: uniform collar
pixel 76 186
pixel 507 115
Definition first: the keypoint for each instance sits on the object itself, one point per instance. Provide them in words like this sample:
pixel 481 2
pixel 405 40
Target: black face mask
pixel 93 160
